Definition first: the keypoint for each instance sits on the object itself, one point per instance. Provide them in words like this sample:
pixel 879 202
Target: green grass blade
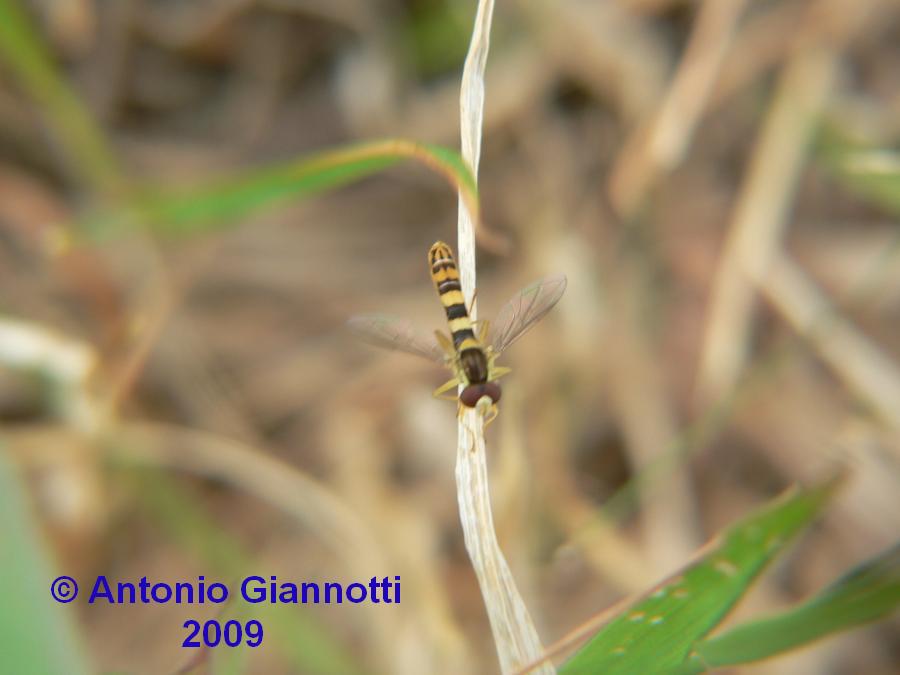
pixel 659 632
pixel 227 200
pixel 874 174
pixel 868 592
pixel 26 56
pixel 871 172
pixel 36 635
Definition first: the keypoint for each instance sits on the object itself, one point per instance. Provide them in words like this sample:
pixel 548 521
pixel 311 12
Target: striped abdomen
pixel 446 279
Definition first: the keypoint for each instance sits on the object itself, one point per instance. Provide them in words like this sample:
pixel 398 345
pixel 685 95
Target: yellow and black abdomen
pixel 445 275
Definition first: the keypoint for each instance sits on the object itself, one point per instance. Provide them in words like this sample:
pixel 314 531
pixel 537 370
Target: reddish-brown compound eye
pixel 471 395
pixel 493 390
pixel 474 393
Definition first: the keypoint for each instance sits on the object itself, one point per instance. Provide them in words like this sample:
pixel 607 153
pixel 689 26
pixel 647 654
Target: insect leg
pixel 472 304
pixel 499 371
pixel 494 411
pixel 483 329
pixel 446 345
pixel 444 388
pixel 487 409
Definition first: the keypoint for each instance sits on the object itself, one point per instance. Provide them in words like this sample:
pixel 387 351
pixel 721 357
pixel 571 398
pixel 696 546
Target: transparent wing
pixel 525 309
pixel 390 332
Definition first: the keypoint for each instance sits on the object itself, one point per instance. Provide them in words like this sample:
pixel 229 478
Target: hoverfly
pixel 473 347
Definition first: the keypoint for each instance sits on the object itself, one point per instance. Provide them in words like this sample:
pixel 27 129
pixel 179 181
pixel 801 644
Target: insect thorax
pixel 474 364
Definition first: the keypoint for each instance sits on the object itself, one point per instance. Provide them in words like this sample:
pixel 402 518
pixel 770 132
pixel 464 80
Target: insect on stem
pixel 469 353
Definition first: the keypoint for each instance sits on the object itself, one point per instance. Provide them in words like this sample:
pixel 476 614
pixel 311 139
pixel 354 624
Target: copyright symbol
pixel 64 589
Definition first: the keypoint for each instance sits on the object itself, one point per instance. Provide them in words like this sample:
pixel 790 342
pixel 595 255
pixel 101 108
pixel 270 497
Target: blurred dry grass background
pixel 731 323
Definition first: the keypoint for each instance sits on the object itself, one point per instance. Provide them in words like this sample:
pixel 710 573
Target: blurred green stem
pixel 28 58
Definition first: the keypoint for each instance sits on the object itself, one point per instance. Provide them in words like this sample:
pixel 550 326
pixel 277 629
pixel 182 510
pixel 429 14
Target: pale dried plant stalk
pixel 67 363
pixel 858 361
pixel 762 211
pixel 515 636
pixel 761 216
pixel 661 145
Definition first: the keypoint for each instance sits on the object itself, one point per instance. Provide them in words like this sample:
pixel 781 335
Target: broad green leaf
pixel 659 632
pixel 36 634
pixel 221 202
pixel 868 592
pixel 232 661
pixel 26 56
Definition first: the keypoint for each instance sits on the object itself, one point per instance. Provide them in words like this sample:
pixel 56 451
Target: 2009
pixel 211 633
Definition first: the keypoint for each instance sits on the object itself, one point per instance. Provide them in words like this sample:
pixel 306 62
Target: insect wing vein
pixel 526 308
pixel 389 332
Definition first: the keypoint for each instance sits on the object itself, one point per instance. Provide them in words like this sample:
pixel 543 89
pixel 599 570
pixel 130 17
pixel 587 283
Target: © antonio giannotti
pixel 473 347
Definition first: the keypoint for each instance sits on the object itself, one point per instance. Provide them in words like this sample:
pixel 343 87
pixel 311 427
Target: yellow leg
pixel 446 345
pixel 483 328
pixel 444 388
pixel 499 371
pixel 487 409
pixel 493 412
